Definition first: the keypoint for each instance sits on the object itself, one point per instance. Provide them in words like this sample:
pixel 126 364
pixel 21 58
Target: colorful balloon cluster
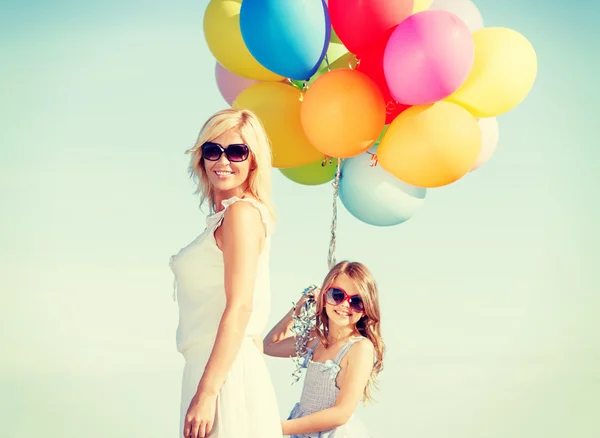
pixel 413 85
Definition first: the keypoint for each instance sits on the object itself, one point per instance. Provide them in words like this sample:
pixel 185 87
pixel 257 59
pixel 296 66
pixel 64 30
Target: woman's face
pixel 224 175
pixel 341 314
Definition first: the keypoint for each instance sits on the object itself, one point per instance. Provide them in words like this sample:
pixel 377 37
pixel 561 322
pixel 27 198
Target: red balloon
pixel 359 23
pixel 371 64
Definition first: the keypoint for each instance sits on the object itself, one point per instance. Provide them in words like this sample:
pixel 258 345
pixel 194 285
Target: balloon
pixel 343 112
pixel 431 145
pixel 428 57
pixel 311 174
pixel 371 64
pixel 376 197
pixel 287 37
pixel 230 84
pixel 359 23
pixel 224 40
pixel 503 73
pixel 337 57
pixel 278 107
pixel 373 148
pixel 463 9
pixel 489 140
pixel 421 5
pixel 334 38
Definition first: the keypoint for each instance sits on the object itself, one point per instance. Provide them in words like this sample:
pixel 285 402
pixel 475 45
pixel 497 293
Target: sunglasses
pixel 234 152
pixel 336 296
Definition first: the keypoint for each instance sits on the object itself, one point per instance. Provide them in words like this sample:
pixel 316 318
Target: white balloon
pixel 376 197
pixel 463 9
pixel 489 140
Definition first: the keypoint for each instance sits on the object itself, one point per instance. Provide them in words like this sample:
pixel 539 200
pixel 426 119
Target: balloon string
pixel 293 84
pixel 374 160
pixel 336 185
pixel 390 107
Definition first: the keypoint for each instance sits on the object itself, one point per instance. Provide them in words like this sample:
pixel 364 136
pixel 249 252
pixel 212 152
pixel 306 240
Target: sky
pixel 489 293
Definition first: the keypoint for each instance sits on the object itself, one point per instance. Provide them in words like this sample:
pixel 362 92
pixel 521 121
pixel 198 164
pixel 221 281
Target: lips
pixel 342 313
pixel 223 173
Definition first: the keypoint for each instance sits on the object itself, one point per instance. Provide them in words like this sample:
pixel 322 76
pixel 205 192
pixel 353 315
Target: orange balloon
pixel 431 145
pixel 343 113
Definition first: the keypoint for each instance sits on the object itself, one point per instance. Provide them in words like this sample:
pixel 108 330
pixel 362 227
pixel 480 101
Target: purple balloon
pixel 229 84
pixel 428 57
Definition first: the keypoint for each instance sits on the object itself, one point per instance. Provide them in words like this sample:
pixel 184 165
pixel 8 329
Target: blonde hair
pixel 249 127
pixel 368 325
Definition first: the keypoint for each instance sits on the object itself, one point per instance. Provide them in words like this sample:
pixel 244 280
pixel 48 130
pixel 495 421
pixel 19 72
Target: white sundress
pixel 246 404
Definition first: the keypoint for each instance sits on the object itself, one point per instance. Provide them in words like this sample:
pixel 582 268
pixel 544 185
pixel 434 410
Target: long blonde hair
pixel 369 324
pixel 249 127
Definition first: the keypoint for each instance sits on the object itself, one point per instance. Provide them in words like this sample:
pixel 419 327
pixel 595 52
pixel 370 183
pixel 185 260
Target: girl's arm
pixel 280 341
pixel 354 378
pixel 242 238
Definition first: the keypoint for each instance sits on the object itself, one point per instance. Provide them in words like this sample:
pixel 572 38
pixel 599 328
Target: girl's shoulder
pixel 361 347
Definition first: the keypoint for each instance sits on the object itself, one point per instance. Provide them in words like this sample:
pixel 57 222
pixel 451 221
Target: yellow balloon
pixel 277 105
pixel 224 40
pixel 503 73
pixel 421 5
pixel 431 145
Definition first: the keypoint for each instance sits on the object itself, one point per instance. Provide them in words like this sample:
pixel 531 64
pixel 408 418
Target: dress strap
pixel 262 209
pixel 314 346
pixel 344 350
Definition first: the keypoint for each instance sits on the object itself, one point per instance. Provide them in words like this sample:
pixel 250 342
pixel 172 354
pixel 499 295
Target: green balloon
pixel 334 38
pixel 312 174
pixel 385 128
pixel 337 56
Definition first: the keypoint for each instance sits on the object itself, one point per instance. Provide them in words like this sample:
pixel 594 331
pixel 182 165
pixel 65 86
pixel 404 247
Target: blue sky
pixel 489 293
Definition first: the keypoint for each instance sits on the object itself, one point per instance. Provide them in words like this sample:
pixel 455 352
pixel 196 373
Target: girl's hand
pixel 200 416
pixel 315 293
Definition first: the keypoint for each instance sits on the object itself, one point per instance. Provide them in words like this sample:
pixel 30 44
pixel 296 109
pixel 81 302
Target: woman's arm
pixel 352 381
pixel 241 237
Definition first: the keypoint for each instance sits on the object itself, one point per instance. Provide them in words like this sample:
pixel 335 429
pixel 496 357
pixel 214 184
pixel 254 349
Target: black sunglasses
pixel 236 153
pixel 336 296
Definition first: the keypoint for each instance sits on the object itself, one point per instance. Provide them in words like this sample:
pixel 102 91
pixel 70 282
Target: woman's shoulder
pixel 246 210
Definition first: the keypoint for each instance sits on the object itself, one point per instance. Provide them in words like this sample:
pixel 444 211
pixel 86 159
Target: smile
pixel 223 173
pixel 342 313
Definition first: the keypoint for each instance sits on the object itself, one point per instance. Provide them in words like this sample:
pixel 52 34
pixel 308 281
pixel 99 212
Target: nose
pixel 345 305
pixel 223 159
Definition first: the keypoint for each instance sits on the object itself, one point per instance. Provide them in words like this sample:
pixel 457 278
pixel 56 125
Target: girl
pixel 344 357
pixel 222 285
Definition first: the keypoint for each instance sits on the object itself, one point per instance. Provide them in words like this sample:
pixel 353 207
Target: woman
pixel 222 285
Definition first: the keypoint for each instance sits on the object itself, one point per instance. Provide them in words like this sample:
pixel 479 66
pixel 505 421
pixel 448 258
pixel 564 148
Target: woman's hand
pixel 200 416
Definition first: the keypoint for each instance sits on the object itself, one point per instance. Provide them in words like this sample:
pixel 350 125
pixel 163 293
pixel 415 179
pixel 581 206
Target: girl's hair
pixel 254 136
pixel 368 325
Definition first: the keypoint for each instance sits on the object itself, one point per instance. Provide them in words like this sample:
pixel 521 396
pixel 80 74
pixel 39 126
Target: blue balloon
pixel 375 196
pixel 289 37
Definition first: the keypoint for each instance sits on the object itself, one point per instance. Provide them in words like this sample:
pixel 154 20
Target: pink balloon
pixel 230 84
pixel 428 57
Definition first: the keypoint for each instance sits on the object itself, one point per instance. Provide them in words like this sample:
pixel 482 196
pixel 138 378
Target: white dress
pixel 246 404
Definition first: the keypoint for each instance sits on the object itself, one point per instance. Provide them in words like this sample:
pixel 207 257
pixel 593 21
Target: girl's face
pixel 225 175
pixel 342 314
